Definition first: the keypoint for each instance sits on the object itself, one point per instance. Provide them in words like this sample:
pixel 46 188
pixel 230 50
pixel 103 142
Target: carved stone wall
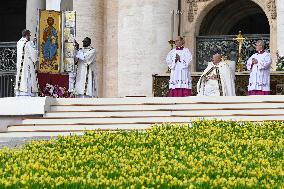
pixel 193 8
pixel 271 5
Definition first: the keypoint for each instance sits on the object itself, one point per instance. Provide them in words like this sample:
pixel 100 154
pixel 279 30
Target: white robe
pixel 26 78
pixel 222 84
pixel 260 72
pixel 180 72
pixel 86 72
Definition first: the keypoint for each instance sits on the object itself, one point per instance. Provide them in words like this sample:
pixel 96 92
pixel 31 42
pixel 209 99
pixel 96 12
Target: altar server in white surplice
pixel 217 79
pixel 178 61
pixel 259 66
pixel 27 57
pixel 85 86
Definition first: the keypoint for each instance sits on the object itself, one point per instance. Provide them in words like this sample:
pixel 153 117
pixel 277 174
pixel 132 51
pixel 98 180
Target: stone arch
pixel 212 4
pixel 229 17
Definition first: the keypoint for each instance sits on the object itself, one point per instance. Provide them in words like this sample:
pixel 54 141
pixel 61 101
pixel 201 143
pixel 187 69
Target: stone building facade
pixel 131 36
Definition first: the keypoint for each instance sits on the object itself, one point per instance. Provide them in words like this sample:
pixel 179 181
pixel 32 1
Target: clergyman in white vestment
pixel 27 57
pixel 217 79
pixel 259 66
pixel 178 61
pixel 85 84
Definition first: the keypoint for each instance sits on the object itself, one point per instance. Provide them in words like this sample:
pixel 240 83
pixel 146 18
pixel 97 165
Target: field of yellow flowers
pixel 208 154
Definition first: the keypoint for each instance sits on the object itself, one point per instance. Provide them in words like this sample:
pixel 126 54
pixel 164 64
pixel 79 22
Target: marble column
pixel 143 32
pixel 110 60
pixel 90 23
pixel 32 13
pixel 280 27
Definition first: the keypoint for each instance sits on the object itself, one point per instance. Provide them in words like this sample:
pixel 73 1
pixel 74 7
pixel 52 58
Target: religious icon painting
pixel 49 41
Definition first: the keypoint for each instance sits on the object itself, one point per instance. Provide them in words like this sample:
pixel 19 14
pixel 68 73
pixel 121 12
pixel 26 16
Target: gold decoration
pixel 240 39
pixel 171 42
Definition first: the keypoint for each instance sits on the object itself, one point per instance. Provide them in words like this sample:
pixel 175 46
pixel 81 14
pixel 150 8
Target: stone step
pixel 30 134
pixel 106 120
pixel 76 108
pixel 74 116
pixel 66 114
pixel 144 120
pixel 253 111
pixel 157 100
pixel 76 127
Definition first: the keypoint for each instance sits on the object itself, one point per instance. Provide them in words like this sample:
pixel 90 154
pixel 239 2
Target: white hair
pixel 261 42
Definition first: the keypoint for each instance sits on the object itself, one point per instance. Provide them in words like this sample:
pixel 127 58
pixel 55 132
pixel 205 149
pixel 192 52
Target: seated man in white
pixel 217 79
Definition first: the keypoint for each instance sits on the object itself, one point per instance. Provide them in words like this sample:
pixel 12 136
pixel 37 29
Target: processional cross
pixel 240 39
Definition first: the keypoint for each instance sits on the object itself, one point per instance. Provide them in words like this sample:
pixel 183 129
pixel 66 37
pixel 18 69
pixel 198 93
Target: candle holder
pixel 171 42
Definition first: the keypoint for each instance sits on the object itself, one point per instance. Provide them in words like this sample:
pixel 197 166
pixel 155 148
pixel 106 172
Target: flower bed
pixel 208 154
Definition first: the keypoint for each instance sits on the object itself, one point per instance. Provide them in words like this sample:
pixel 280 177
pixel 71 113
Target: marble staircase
pixel 75 116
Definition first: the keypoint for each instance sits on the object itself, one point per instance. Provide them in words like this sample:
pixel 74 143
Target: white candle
pixel 172 24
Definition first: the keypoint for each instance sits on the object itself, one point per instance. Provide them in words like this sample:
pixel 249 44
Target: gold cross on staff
pixel 240 39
